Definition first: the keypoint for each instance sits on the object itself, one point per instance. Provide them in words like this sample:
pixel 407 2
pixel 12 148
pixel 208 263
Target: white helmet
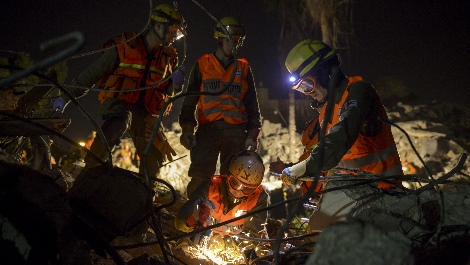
pixel 247 167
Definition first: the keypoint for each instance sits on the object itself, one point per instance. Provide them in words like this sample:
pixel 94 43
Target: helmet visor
pixel 238 185
pixel 236 30
pixel 233 30
pixel 305 85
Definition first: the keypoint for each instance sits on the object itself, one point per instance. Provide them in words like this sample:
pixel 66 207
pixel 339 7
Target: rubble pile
pixel 438 131
pixel 399 228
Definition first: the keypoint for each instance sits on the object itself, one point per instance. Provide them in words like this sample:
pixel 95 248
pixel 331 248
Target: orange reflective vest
pixel 133 67
pixel 220 216
pixel 228 106
pixel 376 154
pixel 310 141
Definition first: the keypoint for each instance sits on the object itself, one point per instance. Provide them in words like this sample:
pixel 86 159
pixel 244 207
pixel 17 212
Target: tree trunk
pixel 292 126
pixel 326 30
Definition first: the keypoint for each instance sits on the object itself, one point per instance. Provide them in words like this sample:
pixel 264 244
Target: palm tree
pixel 302 19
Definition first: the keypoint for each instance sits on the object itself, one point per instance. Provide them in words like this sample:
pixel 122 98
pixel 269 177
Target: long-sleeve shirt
pixel 187 115
pixel 360 118
pixel 102 67
pixel 252 224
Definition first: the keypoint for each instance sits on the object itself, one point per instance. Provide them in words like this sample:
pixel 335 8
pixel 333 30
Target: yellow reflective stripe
pixel 135 66
pixel 140 67
pixel 155 70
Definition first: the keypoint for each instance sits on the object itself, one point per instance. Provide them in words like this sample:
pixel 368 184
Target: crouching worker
pixel 225 197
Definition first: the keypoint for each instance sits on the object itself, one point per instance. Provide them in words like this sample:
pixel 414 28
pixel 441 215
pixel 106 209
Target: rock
pixel 34 217
pixel 114 201
pixel 360 243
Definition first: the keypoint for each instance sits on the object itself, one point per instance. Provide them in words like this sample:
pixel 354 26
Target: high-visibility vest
pixel 132 69
pixel 309 141
pixel 228 106
pixel 241 209
pixel 375 154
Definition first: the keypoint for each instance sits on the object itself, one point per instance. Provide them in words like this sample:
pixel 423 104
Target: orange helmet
pixel 310 133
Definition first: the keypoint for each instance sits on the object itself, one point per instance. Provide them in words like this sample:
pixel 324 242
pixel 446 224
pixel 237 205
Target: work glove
pixel 187 138
pixel 160 141
pixel 178 79
pixel 216 243
pixel 196 240
pixel 59 104
pixel 164 146
pixel 277 166
pixel 290 175
pixel 231 246
pixel 251 142
pixel 200 215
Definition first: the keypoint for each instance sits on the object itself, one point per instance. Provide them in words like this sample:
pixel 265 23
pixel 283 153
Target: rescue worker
pixel 226 123
pixel 125 156
pixel 90 139
pixel 356 138
pixel 136 62
pixel 225 197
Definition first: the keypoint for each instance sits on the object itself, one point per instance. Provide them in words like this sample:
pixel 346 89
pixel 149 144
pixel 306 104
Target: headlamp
pixel 292 79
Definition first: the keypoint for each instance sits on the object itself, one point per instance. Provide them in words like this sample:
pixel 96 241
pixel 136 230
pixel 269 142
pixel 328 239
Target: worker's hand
pixel 167 151
pixel 272 227
pixel 160 141
pixel 59 104
pixel 286 177
pixel 187 138
pixel 230 244
pixel 251 142
pixel 200 215
pixel 277 166
pixel 216 243
pixel 290 176
pixel 178 79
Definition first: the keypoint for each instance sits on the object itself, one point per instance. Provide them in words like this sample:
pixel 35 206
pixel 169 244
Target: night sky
pixel 423 44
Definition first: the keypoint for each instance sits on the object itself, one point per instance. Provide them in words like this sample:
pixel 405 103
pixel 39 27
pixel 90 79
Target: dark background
pixel 423 44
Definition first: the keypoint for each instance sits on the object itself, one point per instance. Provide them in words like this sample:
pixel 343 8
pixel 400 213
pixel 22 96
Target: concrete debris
pixel 113 201
pixel 374 227
pixel 361 243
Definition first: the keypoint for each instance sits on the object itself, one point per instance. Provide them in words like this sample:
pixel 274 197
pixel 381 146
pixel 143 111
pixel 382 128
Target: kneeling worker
pixel 225 197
